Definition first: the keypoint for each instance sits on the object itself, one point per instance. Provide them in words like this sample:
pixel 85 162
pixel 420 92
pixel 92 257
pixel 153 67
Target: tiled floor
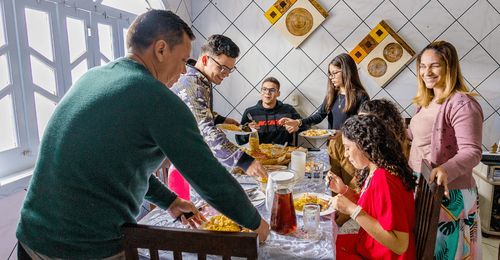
pixel 10 206
pixel 490 248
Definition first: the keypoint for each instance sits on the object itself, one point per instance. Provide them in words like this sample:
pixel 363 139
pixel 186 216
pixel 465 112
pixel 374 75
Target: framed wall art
pixel 296 19
pixel 382 54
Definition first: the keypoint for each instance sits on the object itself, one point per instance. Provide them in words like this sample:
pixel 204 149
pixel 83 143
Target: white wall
pixel 472 26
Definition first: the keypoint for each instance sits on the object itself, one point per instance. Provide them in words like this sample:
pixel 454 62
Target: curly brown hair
pixel 389 113
pixel 380 146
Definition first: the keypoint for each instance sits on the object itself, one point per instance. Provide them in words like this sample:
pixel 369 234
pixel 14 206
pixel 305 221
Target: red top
pixel 387 200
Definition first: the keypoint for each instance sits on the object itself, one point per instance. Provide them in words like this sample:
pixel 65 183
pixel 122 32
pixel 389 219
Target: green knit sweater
pixel 104 140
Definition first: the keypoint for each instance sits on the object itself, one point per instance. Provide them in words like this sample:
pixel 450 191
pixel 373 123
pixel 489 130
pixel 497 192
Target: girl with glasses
pixel 344 95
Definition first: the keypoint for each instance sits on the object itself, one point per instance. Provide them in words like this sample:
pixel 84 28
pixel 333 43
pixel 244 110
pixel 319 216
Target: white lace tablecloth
pixel 276 246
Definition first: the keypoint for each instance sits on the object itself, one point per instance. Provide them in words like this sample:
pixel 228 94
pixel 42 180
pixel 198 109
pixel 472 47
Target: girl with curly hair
pixel 389 113
pixel 385 207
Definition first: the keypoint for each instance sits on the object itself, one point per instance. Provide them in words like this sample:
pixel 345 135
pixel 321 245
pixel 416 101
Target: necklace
pixel 366 184
pixel 340 101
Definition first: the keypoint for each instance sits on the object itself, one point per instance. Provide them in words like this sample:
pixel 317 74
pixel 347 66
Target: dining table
pixel 291 246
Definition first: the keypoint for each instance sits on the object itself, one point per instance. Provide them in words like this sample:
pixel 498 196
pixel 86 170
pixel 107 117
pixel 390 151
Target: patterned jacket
pixel 196 91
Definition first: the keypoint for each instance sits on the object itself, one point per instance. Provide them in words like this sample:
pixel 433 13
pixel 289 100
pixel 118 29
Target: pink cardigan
pixel 457 139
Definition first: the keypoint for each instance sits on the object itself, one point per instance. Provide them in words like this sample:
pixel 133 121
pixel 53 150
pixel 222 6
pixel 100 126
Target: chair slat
pixel 177 255
pixel 427 205
pixel 153 253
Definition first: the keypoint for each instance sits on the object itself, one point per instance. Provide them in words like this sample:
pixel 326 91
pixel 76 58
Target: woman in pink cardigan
pixel 447 131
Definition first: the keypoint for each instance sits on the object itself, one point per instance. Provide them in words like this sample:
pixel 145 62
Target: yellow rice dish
pixel 315 132
pixel 223 223
pixel 299 203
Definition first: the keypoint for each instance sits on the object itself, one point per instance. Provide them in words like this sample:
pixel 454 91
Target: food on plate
pixel 306 198
pixel 271 168
pixel 262 179
pixel 223 223
pixel 271 154
pixel 315 132
pixel 313 166
pixel 232 127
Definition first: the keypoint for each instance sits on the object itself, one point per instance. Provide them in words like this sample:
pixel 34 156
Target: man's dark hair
pixel 157 25
pixel 272 80
pixel 219 44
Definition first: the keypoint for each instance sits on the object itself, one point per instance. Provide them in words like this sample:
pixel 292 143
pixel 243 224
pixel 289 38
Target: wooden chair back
pixel 201 242
pixel 427 205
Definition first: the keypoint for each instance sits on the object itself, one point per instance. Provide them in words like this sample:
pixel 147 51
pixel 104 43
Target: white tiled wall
pixel 472 26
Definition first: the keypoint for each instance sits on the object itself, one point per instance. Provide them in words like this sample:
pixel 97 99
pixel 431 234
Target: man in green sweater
pixel 106 137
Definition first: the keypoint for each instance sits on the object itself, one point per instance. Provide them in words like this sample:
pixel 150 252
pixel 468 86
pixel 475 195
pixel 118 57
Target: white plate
pixel 330 133
pixel 259 198
pixel 325 212
pixel 234 132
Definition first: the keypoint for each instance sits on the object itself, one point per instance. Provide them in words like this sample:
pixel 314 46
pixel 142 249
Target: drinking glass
pixel 298 164
pixel 310 218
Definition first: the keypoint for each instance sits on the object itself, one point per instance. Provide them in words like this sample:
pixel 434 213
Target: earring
pixel 204 59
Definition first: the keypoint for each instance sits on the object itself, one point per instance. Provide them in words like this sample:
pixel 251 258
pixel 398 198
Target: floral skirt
pixel 459 229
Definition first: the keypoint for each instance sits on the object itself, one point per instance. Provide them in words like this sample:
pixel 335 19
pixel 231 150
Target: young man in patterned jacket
pixel 216 62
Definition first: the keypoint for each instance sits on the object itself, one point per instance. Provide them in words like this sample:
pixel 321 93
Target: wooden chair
pixel 427 204
pixel 201 242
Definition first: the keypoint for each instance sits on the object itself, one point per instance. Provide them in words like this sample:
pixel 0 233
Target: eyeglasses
pixel 333 74
pixel 269 90
pixel 223 68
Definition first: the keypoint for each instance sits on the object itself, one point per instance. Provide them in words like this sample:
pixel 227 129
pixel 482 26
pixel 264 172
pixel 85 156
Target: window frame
pixel 22 89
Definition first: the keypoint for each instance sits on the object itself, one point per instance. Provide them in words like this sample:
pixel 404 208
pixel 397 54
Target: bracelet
pixel 300 122
pixel 346 190
pixel 356 212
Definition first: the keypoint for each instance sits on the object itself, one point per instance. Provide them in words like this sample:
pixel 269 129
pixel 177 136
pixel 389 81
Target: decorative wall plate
pixel 377 67
pixel 296 19
pixel 393 52
pixel 299 21
pixel 382 54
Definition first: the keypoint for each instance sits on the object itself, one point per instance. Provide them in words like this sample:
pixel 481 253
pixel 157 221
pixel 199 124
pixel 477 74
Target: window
pixel 54 43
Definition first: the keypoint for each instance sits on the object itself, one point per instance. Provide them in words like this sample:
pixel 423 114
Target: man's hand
pixel 180 206
pixel 263 230
pixel 441 176
pixel 231 121
pixel 254 125
pixel 257 170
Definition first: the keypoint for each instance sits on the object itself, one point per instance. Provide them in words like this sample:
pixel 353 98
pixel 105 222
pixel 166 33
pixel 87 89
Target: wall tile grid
pixel 472 26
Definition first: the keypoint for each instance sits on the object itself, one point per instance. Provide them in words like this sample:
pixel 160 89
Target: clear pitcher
pixel 283 219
